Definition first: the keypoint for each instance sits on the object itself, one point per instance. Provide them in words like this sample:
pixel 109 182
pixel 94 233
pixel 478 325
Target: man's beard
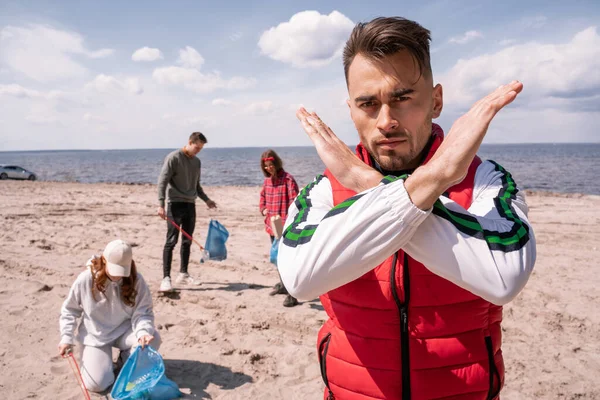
pixel 405 159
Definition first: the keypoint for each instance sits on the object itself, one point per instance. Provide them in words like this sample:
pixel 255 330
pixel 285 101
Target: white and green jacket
pixel 488 249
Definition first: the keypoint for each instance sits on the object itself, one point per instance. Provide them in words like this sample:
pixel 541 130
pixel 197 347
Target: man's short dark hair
pixel 198 137
pixel 385 36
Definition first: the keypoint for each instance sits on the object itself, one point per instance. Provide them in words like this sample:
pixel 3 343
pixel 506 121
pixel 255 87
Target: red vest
pixel 402 332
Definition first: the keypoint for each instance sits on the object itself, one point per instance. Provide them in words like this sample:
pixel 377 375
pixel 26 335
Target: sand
pixel 228 339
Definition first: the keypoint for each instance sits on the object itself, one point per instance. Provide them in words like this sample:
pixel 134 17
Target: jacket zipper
pixel 323 363
pixel 403 309
pixel 493 370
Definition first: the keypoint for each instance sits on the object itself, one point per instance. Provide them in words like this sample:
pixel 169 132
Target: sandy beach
pixel 228 339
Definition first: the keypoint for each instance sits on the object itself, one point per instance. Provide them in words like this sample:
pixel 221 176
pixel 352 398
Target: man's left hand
pixel 211 204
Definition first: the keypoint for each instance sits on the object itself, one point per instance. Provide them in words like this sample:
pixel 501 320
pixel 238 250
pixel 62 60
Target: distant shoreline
pixel 528 192
pixel 273 147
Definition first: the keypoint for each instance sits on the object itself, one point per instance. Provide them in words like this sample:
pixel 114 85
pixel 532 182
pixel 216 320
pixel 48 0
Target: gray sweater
pixel 106 319
pixel 180 179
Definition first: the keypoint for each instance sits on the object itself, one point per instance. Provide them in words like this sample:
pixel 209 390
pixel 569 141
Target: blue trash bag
pixel 274 251
pixel 143 378
pixel 215 241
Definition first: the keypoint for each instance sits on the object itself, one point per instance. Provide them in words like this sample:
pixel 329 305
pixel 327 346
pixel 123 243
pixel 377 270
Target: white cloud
pixel 258 108
pixel 190 77
pixel 109 84
pixel 467 37
pixel 569 71
pixel 133 85
pixel 193 79
pixel 190 58
pixel 18 91
pixel 222 102
pixel 45 54
pixel 147 54
pixel 308 39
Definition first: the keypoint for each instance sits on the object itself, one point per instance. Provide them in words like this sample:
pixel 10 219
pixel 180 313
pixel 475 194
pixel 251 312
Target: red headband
pixel 269 159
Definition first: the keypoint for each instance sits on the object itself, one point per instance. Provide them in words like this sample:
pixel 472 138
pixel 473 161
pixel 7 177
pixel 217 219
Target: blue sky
pixel 111 75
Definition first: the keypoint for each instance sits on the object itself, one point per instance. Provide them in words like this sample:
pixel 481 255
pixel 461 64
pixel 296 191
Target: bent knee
pixel 100 382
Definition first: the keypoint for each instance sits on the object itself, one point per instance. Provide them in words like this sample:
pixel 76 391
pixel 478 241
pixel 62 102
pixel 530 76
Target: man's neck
pixel 187 152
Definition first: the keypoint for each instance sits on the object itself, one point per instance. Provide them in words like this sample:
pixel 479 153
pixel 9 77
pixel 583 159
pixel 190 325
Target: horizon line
pixel 254 147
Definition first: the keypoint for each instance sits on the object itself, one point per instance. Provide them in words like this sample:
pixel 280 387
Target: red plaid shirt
pixel 276 196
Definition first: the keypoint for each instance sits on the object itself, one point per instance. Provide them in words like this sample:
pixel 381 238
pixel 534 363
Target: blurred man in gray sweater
pixel 180 180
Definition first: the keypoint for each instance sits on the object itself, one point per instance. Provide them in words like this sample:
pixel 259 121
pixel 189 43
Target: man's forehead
pixel 397 71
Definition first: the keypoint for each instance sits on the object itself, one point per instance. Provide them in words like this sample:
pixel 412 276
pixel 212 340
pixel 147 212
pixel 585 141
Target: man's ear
pixel 349 107
pixel 438 101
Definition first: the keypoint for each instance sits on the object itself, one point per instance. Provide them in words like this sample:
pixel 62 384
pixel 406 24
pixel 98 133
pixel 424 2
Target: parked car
pixel 15 172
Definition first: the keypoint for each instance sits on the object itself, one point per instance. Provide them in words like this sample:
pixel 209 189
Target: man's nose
pixel 385 120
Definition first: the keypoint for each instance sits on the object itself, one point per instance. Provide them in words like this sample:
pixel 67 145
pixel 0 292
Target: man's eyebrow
pixel 365 98
pixel 402 92
pixel 395 93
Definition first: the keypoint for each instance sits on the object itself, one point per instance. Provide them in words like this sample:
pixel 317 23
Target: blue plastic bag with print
pixel 215 241
pixel 143 378
pixel 274 251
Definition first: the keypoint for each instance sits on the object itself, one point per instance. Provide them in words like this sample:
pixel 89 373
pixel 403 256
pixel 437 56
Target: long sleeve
pixel 263 200
pixel 488 249
pixel 166 173
pixel 201 193
pixel 70 312
pixel 142 320
pixel 325 247
pixel 199 189
pixel 292 188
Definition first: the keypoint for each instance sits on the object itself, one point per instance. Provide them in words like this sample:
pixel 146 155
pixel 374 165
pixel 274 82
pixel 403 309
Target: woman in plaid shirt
pixel 278 192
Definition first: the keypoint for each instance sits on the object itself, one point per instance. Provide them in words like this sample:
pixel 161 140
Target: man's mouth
pixel 391 143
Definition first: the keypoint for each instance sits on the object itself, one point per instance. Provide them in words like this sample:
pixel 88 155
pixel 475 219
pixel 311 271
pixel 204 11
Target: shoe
pixel 165 285
pixel 186 279
pixel 290 301
pixel 123 356
pixel 278 289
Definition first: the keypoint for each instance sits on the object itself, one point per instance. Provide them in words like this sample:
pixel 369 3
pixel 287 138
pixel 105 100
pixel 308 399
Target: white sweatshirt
pixel 488 249
pixel 107 318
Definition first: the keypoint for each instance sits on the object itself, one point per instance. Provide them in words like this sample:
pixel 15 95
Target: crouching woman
pixel 111 305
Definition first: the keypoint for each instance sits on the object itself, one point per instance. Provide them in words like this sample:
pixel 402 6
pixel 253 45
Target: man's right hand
pixel 450 163
pixel 161 212
pixel 64 349
pixel 348 169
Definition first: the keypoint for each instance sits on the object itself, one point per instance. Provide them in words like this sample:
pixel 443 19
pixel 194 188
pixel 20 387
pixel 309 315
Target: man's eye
pixel 401 98
pixel 367 104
